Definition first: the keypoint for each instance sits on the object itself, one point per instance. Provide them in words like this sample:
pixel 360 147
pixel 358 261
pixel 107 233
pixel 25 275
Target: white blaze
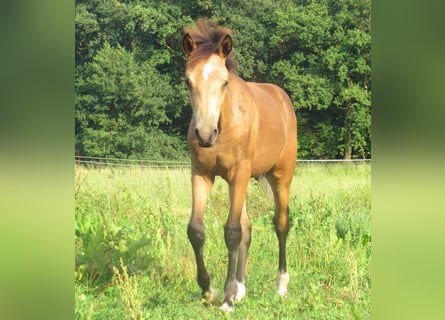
pixel 208 68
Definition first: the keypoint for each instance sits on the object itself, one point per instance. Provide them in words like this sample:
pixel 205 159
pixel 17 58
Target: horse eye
pixel 188 83
pixel 225 83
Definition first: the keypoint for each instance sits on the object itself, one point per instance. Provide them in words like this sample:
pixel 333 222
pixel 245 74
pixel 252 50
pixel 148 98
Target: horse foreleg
pixel 201 186
pixel 232 237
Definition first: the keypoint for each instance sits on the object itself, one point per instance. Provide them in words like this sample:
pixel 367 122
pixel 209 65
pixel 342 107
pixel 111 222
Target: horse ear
pixel 188 44
pixel 225 46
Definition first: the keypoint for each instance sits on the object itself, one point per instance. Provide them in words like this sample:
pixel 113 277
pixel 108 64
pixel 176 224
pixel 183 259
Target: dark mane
pixel 207 36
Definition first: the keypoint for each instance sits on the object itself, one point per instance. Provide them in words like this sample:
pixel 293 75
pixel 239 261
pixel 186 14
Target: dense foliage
pixel 131 101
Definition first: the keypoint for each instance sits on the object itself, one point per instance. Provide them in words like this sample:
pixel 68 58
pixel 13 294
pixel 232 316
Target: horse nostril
pixel 214 136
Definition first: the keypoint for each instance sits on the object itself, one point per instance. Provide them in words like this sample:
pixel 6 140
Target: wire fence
pixel 146 163
pixel 116 162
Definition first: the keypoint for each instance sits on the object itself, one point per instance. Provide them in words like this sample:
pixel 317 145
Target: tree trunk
pixel 348 145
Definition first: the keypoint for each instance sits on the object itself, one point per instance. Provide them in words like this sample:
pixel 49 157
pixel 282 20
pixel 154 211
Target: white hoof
pixel 282 281
pixel 226 308
pixel 210 297
pixel 241 292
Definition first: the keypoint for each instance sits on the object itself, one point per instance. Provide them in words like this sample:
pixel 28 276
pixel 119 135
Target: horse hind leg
pixel 281 223
pixel 280 188
pixel 246 231
pixel 283 275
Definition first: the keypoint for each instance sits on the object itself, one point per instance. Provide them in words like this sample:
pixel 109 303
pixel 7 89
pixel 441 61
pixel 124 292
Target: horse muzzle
pixel 206 138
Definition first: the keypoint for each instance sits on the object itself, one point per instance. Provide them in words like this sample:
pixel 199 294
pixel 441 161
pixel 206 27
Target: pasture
pixel 134 260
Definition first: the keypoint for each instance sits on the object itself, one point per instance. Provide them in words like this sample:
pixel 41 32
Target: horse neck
pixel 237 105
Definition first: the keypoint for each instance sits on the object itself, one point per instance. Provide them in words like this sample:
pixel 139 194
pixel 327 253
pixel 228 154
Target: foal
pixel 238 130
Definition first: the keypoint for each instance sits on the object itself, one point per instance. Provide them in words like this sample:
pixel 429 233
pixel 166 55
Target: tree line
pixel 130 96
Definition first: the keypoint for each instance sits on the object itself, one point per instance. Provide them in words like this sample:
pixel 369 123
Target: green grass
pixel 134 261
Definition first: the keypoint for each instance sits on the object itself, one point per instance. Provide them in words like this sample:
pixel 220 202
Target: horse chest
pixel 218 160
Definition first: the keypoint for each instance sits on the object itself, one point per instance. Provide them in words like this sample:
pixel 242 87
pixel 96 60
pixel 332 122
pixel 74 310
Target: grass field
pixel 134 261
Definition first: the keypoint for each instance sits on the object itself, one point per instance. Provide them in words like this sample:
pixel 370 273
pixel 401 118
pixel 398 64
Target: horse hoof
pixel 210 297
pixel 226 308
pixel 282 291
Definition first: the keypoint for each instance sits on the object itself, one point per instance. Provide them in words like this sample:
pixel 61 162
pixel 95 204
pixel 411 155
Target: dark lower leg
pixel 242 260
pixel 242 255
pixel 196 235
pixel 232 236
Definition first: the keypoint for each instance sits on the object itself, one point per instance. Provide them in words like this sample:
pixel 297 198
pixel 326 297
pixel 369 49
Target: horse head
pixel 207 79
